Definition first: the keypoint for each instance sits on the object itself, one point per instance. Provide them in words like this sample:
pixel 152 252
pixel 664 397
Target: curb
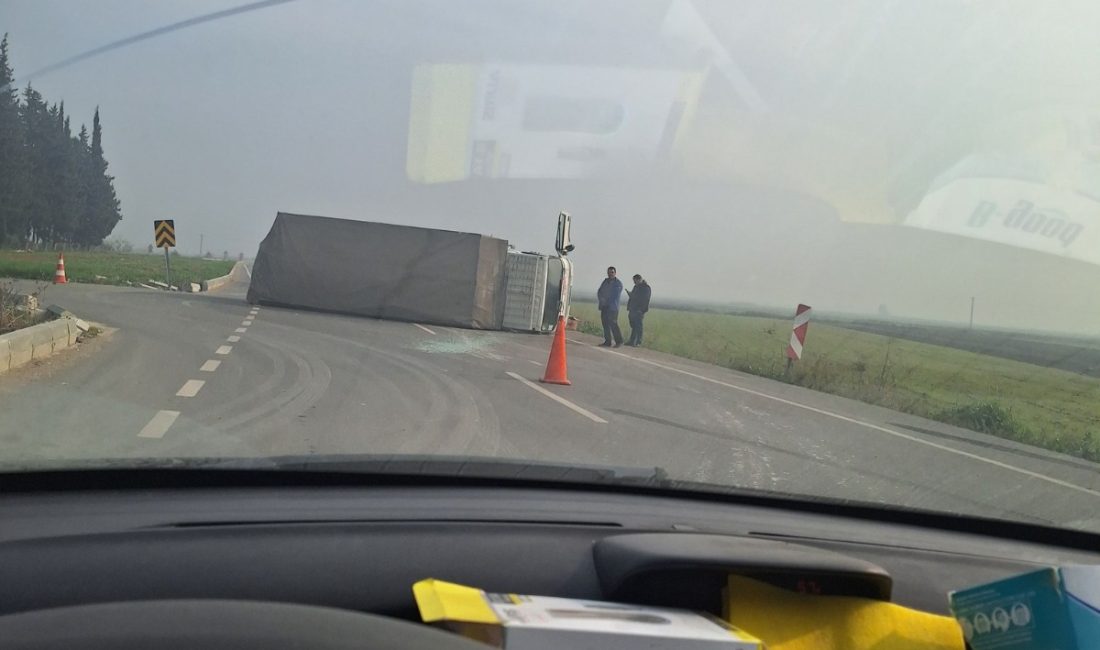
pixel 239 271
pixel 20 347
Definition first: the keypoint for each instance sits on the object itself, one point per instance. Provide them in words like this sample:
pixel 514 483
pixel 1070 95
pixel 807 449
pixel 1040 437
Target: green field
pixel 113 268
pixel 1049 408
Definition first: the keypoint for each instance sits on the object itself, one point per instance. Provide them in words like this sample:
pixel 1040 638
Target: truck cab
pixel 538 286
pixel 537 291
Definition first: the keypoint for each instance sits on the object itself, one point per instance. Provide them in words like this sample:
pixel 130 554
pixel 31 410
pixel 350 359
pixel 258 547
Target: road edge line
pixel 558 398
pixel 869 425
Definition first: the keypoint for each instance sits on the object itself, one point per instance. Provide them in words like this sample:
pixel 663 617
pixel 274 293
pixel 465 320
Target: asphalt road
pixel 207 375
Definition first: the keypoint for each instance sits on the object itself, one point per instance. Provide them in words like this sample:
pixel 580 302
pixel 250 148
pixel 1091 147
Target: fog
pixel 867 157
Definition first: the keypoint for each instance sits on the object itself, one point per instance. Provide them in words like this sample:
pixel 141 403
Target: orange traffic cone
pixel 59 274
pixel 555 367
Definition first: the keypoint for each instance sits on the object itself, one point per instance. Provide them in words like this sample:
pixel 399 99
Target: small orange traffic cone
pixel 59 274
pixel 555 366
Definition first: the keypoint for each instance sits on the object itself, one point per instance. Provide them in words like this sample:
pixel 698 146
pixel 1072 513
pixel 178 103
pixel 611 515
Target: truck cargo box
pixel 382 270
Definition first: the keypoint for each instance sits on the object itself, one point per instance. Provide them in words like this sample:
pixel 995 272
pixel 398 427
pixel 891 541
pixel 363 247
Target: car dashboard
pixel 359 544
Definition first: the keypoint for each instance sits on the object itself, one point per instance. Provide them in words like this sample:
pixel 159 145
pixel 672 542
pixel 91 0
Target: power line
pixel 152 33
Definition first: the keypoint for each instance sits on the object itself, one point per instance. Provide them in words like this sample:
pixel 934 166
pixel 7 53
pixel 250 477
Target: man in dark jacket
pixel 636 307
pixel 609 296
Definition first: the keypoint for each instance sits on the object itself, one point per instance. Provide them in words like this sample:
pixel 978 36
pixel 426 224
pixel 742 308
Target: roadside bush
pixel 117 245
pixel 986 417
pixel 589 326
pixel 13 314
pixel 1088 448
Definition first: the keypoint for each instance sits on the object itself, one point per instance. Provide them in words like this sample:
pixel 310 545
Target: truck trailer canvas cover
pixel 381 270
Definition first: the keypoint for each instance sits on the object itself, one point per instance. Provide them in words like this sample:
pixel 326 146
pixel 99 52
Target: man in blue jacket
pixel 636 307
pixel 609 296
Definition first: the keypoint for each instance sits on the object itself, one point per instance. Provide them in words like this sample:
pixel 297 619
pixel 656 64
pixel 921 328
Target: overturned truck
pixel 406 273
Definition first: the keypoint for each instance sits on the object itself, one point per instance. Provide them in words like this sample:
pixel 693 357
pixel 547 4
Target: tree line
pixel 54 186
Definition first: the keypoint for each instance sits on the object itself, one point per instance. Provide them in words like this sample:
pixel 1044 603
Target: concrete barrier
pixel 40 341
pixel 238 273
pixel 19 347
pixel 63 333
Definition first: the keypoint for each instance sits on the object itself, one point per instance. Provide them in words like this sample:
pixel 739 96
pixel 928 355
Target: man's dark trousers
pixel 635 318
pixel 610 319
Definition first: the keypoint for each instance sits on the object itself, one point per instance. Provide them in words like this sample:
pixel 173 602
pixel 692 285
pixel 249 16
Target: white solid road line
pixel 241 330
pixel 557 398
pixel 869 425
pixel 159 425
pixel 210 366
pixel 424 328
pixel 225 349
pixel 190 388
pixel 233 339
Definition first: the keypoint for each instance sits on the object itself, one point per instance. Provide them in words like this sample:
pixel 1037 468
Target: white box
pixel 517 622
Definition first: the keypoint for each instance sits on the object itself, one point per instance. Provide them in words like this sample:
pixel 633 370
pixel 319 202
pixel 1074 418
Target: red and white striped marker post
pixel 798 334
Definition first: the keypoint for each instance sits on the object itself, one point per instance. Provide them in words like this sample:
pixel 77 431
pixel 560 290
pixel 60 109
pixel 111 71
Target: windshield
pixel 841 250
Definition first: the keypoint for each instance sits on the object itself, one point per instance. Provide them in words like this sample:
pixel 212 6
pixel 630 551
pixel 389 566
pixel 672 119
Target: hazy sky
pixel 850 155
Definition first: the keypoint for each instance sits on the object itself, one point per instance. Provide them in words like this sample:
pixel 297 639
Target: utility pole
pixel 201 236
pixel 971 312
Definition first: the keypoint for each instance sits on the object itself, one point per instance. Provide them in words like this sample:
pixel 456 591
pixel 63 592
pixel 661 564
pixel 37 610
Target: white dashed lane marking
pixel 163 420
pixel 159 425
pixel 557 398
pixel 190 388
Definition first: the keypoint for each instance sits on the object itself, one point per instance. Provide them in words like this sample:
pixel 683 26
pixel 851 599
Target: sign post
pixel 167 268
pixel 164 235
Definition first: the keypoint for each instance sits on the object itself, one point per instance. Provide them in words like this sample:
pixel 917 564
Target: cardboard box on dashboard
pixel 518 622
pixel 1055 608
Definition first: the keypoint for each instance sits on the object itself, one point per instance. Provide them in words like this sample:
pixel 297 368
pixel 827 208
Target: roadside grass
pixel 1044 407
pixel 114 268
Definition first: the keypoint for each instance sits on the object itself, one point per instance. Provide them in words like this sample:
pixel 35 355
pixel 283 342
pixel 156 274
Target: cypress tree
pixel 36 122
pixel 13 172
pixel 101 194
pixel 54 187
